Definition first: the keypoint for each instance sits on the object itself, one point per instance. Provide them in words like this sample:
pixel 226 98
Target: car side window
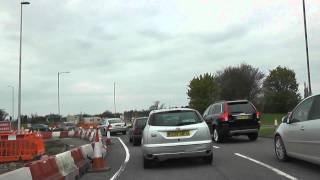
pixel 206 111
pixel 302 111
pixel 315 109
pixel 211 111
pixel 218 109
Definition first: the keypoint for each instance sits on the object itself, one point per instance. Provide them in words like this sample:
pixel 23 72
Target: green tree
pixel 240 82
pixel 202 91
pixel 280 90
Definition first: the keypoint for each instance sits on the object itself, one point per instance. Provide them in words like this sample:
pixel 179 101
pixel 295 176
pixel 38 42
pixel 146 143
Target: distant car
pixel 115 125
pixel 299 133
pixel 39 127
pixel 135 132
pixel 175 133
pixel 232 118
pixel 68 126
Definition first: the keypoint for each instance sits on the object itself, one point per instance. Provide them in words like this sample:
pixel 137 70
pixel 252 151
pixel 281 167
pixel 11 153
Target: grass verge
pixel 267 131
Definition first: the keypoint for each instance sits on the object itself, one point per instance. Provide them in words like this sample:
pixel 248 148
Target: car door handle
pixel 302 128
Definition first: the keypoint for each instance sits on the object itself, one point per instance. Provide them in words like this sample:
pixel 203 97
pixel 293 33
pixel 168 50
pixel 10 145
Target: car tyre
pixel 147 163
pixel 280 149
pixel 253 136
pixel 217 136
pixel 208 159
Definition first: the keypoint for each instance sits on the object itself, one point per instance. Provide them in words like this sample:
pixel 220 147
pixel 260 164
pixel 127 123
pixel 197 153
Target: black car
pixel 39 127
pixel 232 118
pixel 135 132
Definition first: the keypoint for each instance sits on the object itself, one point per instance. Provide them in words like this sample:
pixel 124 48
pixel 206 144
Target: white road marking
pixel 122 167
pixel 216 147
pixel 281 173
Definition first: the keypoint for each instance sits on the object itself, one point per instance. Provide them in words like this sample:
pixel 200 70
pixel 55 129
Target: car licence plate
pixel 242 117
pixel 178 133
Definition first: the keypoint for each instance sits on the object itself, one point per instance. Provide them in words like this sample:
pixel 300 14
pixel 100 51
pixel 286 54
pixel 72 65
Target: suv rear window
pixel 241 107
pixel 141 122
pixel 174 118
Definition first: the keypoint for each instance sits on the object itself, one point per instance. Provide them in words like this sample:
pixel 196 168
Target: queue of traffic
pixel 183 132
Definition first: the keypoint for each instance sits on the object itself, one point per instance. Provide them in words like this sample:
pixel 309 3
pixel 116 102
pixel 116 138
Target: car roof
pixel 170 110
pixel 234 101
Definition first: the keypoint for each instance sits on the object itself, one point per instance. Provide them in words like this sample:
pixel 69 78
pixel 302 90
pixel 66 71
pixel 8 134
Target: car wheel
pixel 147 163
pixel 217 137
pixel 208 159
pixel 136 142
pixel 280 149
pixel 124 132
pixel 253 136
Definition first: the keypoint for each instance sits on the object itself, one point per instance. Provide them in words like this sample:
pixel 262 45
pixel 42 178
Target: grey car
pixel 299 133
pixel 175 133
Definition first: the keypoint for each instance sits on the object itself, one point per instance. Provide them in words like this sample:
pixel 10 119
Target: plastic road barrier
pixel 21 173
pixel 15 147
pixel 45 170
pixel 66 165
pixel 80 161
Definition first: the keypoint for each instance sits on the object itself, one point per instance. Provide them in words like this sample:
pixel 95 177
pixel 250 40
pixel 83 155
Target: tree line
pixel 276 92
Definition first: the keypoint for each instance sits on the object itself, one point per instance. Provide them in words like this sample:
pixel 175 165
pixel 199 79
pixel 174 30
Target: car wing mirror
pixel 284 119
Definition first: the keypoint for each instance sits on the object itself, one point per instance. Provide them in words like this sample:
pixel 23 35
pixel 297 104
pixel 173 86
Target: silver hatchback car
pixel 299 133
pixel 175 133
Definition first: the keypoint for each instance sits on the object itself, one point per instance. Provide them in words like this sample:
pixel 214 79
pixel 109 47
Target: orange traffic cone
pixel 98 164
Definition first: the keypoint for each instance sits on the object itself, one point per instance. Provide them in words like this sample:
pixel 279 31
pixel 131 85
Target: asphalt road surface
pixel 236 159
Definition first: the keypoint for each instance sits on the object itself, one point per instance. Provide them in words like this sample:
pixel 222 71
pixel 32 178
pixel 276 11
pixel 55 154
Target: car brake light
pixel 258 115
pixel 225 115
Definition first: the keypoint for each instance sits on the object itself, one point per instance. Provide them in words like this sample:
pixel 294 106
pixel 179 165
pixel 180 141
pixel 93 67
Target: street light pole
pixel 307 49
pixel 12 89
pixel 114 98
pixel 20 49
pixel 59 92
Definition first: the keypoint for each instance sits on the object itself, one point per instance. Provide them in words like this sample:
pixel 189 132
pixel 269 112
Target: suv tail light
pixel 225 115
pixel 258 114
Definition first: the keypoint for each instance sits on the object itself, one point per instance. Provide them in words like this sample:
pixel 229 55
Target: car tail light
pixel 258 114
pixel 109 126
pixel 225 115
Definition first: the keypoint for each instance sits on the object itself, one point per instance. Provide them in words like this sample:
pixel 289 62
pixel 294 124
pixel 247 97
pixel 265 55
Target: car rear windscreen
pixel 112 121
pixel 141 122
pixel 174 118
pixel 243 107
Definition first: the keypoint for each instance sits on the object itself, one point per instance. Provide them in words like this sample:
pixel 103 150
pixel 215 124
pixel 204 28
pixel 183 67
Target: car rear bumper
pixel 118 129
pixel 177 150
pixel 227 130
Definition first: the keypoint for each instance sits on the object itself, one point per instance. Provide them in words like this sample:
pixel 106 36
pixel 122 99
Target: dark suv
pixel 232 118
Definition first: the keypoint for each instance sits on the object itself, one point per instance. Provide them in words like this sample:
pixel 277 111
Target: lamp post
pixel 12 89
pixel 20 48
pixel 307 49
pixel 59 91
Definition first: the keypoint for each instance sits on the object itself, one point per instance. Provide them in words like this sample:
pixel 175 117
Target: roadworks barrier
pixel 80 161
pixel 15 147
pixel 67 166
pixel 46 169
pixel 22 173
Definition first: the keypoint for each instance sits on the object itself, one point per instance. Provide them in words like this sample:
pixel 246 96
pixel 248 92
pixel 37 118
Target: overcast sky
pixel 150 48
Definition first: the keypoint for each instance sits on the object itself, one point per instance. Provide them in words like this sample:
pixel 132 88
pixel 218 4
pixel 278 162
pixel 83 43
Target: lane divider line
pixel 216 147
pixel 123 165
pixel 281 173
